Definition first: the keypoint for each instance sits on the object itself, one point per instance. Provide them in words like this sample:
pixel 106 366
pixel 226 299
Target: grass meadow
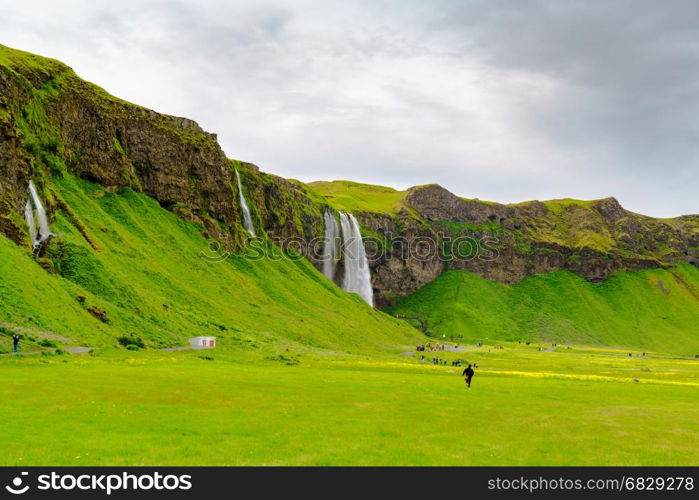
pixel 570 405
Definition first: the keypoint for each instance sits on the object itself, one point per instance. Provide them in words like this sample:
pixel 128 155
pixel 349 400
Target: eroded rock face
pixel 434 203
pixel 51 121
pixel 507 243
pixel 401 255
pixel 81 129
pixel 15 165
pixel 287 213
pixel 171 159
pixel 610 209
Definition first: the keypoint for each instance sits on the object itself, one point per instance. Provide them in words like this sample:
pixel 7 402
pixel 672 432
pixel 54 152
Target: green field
pixel 572 405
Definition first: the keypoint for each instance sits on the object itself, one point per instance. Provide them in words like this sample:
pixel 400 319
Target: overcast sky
pixel 499 100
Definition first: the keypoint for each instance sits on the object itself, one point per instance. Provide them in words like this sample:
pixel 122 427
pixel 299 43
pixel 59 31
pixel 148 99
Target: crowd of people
pixel 434 347
pixel 442 362
pixel 469 371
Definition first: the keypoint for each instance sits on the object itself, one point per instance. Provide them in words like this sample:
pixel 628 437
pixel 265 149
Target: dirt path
pixel 178 348
pixel 78 350
pixel 449 348
pixel 22 352
pixel 73 350
pixel 23 330
pixel 184 348
pixel 84 350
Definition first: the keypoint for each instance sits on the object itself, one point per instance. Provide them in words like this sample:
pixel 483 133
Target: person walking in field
pixel 468 375
pixel 15 343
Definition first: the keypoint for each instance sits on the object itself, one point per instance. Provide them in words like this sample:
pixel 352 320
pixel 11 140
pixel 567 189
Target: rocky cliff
pixel 53 123
pixel 427 230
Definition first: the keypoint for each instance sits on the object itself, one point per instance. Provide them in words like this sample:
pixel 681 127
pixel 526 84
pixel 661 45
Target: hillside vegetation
pixel 351 196
pixel 134 196
pixel 651 309
pixel 124 255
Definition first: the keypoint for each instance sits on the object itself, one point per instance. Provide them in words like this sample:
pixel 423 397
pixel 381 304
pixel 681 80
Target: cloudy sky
pixel 502 100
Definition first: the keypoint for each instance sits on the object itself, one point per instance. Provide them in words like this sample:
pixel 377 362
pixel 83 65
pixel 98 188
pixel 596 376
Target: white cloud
pixel 489 99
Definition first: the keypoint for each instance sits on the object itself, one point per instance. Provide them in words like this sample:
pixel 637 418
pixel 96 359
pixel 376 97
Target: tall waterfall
pixel 357 275
pixel 38 212
pixel 330 245
pixel 247 219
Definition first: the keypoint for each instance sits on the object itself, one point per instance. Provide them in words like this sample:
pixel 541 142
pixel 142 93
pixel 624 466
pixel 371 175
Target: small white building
pixel 202 342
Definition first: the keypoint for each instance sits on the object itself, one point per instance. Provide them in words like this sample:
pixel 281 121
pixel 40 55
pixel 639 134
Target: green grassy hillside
pixel 653 309
pixel 353 196
pixel 141 265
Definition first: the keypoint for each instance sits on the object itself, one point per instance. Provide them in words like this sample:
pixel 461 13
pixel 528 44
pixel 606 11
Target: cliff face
pixel 52 122
pixel 592 238
pixel 57 122
pixel 507 243
pixel 287 211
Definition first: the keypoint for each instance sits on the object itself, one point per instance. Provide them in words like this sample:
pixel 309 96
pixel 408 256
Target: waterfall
pixel 29 217
pixel 247 220
pixel 38 211
pixel 330 246
pixel 357 275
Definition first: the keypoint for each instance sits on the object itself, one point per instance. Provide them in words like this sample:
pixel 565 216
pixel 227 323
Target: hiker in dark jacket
pixel 468 375
pixel 15 343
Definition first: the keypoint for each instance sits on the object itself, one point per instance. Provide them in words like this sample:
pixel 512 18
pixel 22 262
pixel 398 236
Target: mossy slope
pixel 143 266
pixel 356 197
pixel 651 309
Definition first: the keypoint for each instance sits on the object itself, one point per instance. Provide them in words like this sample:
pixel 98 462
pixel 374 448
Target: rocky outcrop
pixel 507 243
pixel 402 254
pixel 15 165
pixel 610 209
pixel 288 211
pixel 53 122
pixel 434 203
